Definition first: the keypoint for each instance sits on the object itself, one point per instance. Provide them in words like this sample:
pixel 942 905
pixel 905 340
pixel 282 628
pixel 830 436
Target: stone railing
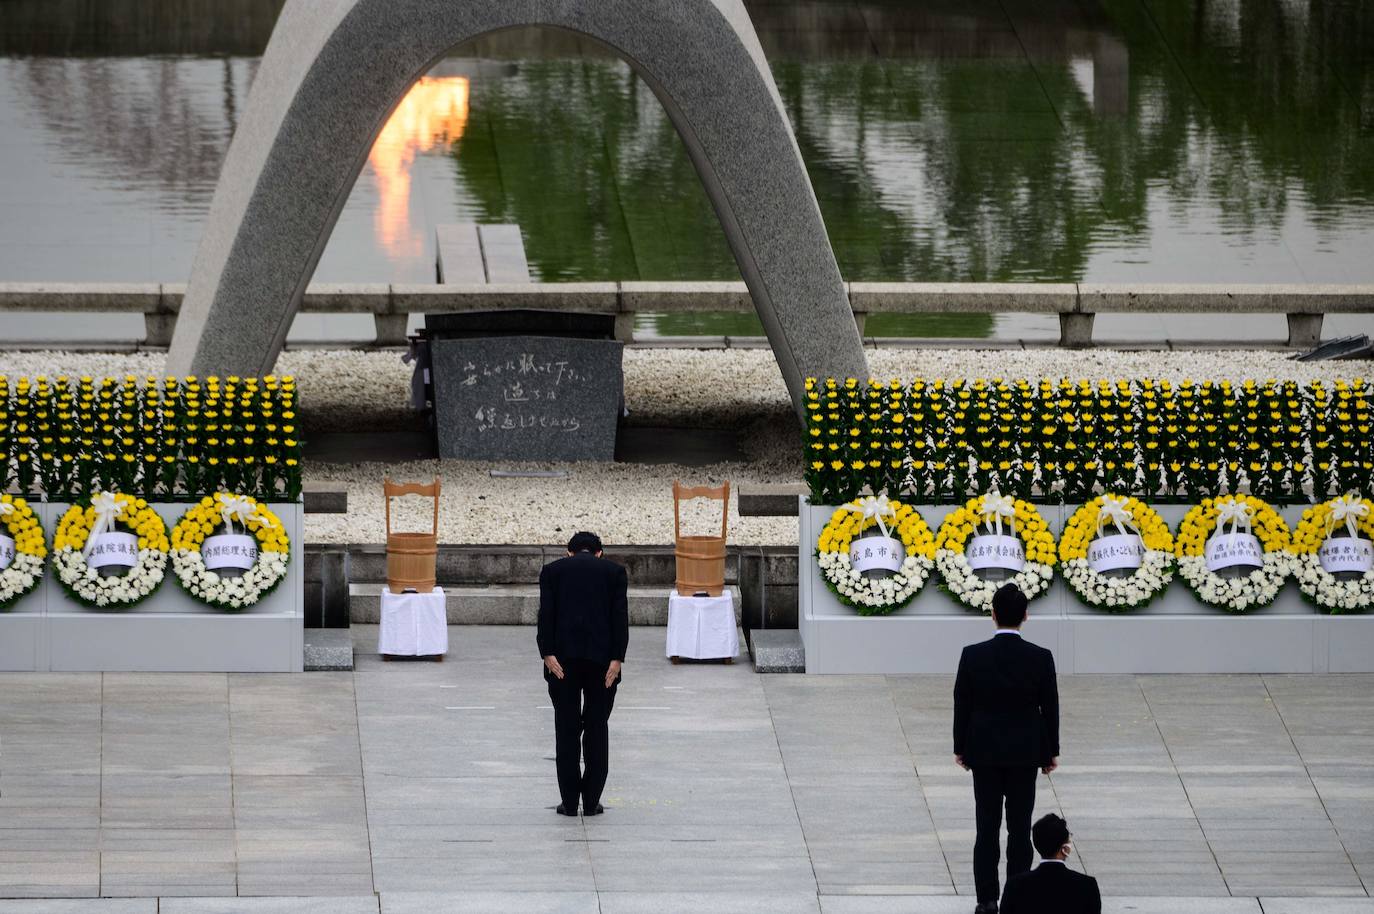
pixel 1076 304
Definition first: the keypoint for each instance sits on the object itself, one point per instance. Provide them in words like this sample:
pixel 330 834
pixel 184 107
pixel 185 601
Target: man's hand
pixel 554 667
pixel 612 673
pixel 1052 766
pixel 959 760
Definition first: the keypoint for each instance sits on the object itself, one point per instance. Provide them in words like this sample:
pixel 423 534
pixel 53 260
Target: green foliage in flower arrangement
pixel 940 441
pixel 169 439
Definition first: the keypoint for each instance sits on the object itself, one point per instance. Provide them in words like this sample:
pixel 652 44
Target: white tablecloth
pixel 413 624
pixel 702 628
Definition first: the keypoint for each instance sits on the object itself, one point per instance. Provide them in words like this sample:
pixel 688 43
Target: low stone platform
pixel 778 650
pixel 503 604
pixel 328 649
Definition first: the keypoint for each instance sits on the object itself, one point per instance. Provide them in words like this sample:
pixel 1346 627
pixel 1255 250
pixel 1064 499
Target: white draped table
pixel 413 624
pixel 702 628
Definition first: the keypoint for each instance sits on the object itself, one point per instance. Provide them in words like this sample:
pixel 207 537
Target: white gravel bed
pixel 623 503
pixel 348 390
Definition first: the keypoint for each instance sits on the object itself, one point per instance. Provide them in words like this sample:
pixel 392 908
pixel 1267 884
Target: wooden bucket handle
pixel 397 489
pixel 681 492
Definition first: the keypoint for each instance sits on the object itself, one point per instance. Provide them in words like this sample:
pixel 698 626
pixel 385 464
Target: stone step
pixel 777 650
pixel 503 604
pixel 328 649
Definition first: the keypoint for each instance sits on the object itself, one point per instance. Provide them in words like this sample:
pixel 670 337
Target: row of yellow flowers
pixel 168 438
pixel 936 440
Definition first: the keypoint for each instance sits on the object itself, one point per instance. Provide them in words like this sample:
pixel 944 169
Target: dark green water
pixel 1102 140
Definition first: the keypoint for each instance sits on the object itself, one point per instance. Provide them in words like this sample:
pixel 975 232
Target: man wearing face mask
pixel 1051 888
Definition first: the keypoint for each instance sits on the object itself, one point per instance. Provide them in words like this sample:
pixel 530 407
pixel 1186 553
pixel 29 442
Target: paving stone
pixel 336 904
pixel 328 649
pixel 489 902
pixel 80 906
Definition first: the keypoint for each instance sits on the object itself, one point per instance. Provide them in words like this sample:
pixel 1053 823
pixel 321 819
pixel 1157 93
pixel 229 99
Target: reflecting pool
pixel 997 140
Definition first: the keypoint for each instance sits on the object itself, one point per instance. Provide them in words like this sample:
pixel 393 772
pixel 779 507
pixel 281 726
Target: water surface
pixel 1028 140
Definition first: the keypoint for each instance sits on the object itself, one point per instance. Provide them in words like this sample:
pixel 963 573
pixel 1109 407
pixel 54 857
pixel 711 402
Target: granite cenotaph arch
pixel 335 69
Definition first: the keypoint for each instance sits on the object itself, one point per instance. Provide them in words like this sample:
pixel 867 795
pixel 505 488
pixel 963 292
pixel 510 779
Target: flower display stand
pixel 168 631
pixel 1176 633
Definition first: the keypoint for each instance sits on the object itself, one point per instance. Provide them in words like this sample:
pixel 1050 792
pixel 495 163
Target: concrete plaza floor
pixel 417 787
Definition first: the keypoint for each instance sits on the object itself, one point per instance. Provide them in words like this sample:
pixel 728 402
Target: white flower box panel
pixel 170 630
pixel 1176 633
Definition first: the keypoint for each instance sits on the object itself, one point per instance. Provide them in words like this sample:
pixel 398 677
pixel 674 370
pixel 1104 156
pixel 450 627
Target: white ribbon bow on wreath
pixel 1349 508
pixel 6 509
pixel 996 506
pixel 1114 509
pixel 876 507
pixel 1237 513
pixel 232 506
pixel 107 508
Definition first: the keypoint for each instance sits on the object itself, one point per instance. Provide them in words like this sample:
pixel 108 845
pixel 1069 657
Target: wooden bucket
pixel 410 557
pixel 700 559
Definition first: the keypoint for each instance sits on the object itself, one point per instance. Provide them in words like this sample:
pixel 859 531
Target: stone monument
pixel 334 70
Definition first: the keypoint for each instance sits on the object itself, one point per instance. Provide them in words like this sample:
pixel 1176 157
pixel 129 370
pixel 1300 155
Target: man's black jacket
pixel 584 610
pixel 1006 704
pixel 1051 888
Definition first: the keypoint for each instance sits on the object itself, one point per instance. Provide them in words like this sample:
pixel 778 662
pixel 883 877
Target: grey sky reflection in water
pixel 1126 140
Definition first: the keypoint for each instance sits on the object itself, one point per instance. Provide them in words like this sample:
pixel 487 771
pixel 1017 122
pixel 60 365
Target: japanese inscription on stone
pixel 527 398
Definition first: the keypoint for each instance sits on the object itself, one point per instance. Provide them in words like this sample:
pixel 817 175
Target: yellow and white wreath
pixel 1314 548
pixel 1114 532
pixel 265 557
pixel 908 559
pixel 1023 522
pixel 1247 516
pixel 79 534
pixel 22 550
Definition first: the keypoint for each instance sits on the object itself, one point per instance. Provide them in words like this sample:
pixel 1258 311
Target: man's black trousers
pixel 581 706
pixel 992 788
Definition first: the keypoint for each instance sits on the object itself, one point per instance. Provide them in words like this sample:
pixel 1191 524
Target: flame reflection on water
pixel 431 116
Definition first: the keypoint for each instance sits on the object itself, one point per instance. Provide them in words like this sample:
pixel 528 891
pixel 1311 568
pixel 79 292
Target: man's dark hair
pixel 584 542
pixel 1049 834
pixel 1009 606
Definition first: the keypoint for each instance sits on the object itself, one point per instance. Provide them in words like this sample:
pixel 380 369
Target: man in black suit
pixel 1051 888
pixel 584 628
pixel 1006 725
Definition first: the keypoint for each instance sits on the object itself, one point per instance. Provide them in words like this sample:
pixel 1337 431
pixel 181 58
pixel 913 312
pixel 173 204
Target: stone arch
pixel 335 69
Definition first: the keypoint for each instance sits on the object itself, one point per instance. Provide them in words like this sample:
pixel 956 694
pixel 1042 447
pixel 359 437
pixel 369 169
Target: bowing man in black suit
pixel 1051 888
pixel 1006 726
pixel 584 628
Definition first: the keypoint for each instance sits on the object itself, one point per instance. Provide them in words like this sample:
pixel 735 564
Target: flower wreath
pixel 1318 585
pixel 25 570
pixel 1246 514
pixel 76 537
pixel 219 514
pixel 1128 516
pixel 991 510
pixel 875 596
